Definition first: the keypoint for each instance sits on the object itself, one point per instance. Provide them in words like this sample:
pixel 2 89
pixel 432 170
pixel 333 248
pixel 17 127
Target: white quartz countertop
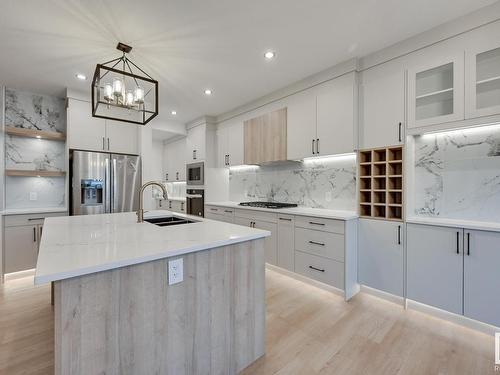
pixel 456 223
pixel 302 211
pixel 78 245
pixel 24 211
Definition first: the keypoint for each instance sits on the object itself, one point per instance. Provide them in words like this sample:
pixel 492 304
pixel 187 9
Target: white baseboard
pixel 451 317
pixel 383 295
pixel 306 280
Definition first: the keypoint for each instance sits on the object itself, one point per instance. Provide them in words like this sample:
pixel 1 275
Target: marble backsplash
pixel 48 191
pixel 33 111
pixel 457 174
pixel 323 183
pixel 37 112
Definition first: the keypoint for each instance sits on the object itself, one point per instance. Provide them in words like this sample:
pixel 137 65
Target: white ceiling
pixel 191 45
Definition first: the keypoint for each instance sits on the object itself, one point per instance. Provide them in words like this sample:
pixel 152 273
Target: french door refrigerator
pixel 104 183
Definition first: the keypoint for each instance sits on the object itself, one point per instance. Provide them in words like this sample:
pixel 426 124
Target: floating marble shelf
pixel 30 133
pixel 28 173
pixel 381 183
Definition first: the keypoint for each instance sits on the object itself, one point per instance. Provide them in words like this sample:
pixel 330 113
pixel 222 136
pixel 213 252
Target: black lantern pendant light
pixel 124 92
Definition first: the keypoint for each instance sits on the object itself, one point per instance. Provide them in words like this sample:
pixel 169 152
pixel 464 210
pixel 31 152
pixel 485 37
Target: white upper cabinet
pixel 84 131
pixel 382 107
pixel 196 144
pixel 322 120
pixel 174 161
pixel 122 137
pixel 482 77
pixel 230 145
pixel 95 134
pixel 436 90
pixel 301 125
pixel 335 116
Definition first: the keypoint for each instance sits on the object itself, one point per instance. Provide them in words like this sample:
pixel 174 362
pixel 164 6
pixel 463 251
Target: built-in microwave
pixel 195 174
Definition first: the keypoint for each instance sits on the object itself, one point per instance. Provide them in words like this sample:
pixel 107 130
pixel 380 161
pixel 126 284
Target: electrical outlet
pixel 328 196
pixel 175 271
pixel 33 196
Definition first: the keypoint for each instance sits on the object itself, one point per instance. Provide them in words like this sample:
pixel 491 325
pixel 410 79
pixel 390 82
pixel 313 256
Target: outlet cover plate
pixel 175 271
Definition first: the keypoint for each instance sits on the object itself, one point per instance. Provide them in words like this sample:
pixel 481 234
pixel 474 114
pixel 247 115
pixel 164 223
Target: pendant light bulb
pixel 139 95
pixel 129 98
pixel 108 92
pixel 118 87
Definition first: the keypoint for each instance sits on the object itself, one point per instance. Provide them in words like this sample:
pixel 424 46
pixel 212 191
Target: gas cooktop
pixel 268 204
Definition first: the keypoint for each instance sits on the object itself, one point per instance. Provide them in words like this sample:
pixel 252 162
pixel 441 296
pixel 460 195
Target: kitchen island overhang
pixel 114 317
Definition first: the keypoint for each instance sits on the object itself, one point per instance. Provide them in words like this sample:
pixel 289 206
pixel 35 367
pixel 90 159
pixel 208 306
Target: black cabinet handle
pixel 108 144
pixel 228 160
pixel 194 154
pixel 317 145
pixel 285 219
pixel 399 234
pixel 103 146
pixel 316 269
pixel 166 176
pixel 314 223
pixel 399 137
pixel 214 209
pixel 313 147
pixel 458 242
pixel 316 243
pixel 35 218
pixel 468 243
pixel 34 234
pixel 228 211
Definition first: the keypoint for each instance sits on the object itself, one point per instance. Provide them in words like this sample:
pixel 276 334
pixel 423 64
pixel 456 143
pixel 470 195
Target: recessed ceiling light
pixel 174 112
pixel 269 55
pixel 208 92
pixel 81 77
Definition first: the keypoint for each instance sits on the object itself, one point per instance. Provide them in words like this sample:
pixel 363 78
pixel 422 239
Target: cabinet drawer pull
pixel 468 243
pixel 108 144
pixel 34 234
pixel 314 223
pixel 103 143
pixel 316 269
pixel 228 211
pixel 313 146
pixel 399 130
pixel 214 209
pixel 458 242
pixel 317 146
pixel 399 234
pixel 35 218
pixel 316 243
pixel 285 219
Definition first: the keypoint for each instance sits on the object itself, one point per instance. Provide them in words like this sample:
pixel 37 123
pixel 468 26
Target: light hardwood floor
pixel 309 331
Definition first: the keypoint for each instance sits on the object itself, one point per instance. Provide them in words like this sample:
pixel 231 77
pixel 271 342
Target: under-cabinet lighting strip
pixel 315 159
pixel 469 130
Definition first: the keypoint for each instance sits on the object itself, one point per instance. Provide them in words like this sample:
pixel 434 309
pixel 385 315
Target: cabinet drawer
pixel 329 245
pixel 327 271
pixel 256 215
pixel 327 225
pixel 30 219
pixel 219 210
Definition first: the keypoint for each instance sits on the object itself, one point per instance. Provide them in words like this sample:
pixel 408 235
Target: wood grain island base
pixel 130 321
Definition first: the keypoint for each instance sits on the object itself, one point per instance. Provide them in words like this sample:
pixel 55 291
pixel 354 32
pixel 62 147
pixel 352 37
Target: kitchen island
pixel 116 313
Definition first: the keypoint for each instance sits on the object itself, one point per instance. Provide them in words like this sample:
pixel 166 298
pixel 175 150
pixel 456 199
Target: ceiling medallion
pixel 124 92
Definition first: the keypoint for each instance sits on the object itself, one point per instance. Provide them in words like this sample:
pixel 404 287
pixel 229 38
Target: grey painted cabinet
pixel 286 243
pixel 435 266
pixel 482 276
pixel 381 255
pixel 270 243
pixel 21 247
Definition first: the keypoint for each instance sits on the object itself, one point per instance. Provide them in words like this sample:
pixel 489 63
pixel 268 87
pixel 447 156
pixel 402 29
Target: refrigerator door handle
pixel 113 184
pixel 107 185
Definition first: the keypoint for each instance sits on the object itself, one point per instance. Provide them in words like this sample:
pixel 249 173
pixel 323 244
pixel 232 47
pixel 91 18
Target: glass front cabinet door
pixel 483 80
pixel 436 92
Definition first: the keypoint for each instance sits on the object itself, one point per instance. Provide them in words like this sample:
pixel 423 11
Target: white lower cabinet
pixel 482 276
pixel 286 242
pixel 327 271
pixel 381 255
pixel 435 266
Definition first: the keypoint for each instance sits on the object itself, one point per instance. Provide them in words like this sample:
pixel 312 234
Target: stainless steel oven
pixel 195 174
pixel 195 199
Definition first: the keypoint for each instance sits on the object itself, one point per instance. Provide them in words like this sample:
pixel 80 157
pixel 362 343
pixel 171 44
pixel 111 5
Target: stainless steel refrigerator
pixel 104 183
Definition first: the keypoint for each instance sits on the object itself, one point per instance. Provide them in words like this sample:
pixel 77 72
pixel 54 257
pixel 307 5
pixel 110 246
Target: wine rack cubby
pixel 381 183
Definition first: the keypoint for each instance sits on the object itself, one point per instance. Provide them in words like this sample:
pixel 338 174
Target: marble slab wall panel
pixel 323 183
pixel 34 154
pixel 33 111
pixel 50 192
pixel 457 174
